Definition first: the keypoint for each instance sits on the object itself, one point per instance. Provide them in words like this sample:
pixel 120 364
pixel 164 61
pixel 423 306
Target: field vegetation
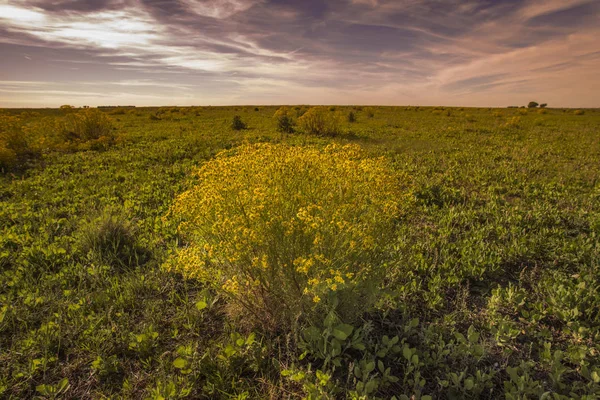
pixel 300 252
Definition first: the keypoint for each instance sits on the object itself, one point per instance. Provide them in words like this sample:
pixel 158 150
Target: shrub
pixel 119 111
pixel 351 117
pixel 370 111
pixel 542 111
pixel 15 145
pixel 543 105
pixel 532 104
pixel 237 123
pixel 8 158
pixel 319 121
pixel 578 112
pixel 112 241
pixel 283 231
pixel 300 110
pixel 83 130
pixel 285 121
pixel 88 124
pixel 514 122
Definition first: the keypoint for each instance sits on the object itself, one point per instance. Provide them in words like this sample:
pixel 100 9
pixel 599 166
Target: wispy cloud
pixel 285 51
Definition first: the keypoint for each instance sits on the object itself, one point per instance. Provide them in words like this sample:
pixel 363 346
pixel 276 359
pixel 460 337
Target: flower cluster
pixel 279 228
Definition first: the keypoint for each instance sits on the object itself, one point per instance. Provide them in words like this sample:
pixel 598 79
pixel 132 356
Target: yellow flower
pixel 287 221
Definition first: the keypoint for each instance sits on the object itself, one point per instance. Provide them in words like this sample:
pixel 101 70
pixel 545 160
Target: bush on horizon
pixel 321 121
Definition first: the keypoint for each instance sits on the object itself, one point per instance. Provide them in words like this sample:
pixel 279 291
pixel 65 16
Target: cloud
pixel 285 51
pixel 219 8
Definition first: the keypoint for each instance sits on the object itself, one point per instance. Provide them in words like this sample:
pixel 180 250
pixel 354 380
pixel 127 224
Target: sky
pixel 491 53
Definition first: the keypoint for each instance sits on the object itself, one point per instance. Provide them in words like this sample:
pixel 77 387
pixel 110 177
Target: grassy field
pixel 483 284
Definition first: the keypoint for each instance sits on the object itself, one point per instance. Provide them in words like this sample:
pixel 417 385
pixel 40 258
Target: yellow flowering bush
pixel 283 230
pixel 321 121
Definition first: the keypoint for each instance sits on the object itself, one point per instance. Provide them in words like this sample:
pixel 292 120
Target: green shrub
pixel 370 111
pixel 88 124
pixel 8 158
pixel 532 104
pixel 119 111
pixel 319 121
pixel 15 145
pixel 285 121
pixel 351 117
pixel 111 240
pixel 237 123
pixel 83 130
pixel 285 230
pixel 578 112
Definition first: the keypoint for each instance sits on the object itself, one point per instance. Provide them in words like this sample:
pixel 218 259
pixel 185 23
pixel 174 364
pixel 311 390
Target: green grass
pixel 493 290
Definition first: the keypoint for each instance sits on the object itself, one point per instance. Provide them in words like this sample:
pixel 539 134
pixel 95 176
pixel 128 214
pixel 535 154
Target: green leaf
pixel 415 359
pixel 62 386
pixel 42 389
pixel 342 331
pixel 201 305
pixel 359 346
pixel 595 376
pixel 469 384
pixel 180 363
pixel 472 334
pixel 311 334
pixel 336 347
pixel 370 386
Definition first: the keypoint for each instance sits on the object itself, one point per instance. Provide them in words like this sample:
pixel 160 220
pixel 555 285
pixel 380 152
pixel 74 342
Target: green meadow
pixel 360 253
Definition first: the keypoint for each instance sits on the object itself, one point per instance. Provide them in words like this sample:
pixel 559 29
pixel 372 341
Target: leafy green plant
pixel 53 391
pixel 144 343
